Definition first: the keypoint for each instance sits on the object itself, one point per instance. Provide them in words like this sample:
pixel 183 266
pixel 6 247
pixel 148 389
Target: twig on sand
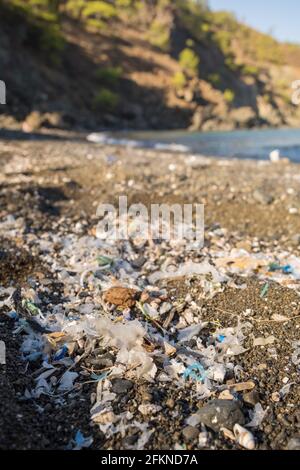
pixel 140 306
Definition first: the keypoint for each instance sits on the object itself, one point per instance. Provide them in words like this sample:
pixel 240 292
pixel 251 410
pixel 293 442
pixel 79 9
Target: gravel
pixel 48 201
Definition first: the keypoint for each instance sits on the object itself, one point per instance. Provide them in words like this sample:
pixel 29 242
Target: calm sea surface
pixel 255 144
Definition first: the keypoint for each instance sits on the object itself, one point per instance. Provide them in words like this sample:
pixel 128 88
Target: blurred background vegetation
pixel 213 63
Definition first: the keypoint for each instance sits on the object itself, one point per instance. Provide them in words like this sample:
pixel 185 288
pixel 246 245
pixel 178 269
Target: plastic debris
pixel 203 439
pixel 31 308
pixel 279 318
pixel 188 333
pixel 104 261
pixel 128 338
pixel 275 156
pixel 67 381
pixel 275 397
pixel 61 353
pixel 258 416
pixel 296 354
pixel 240 261
pixel 221 338
pixel 217 373
pixel 82 442
pixel 195 372
pixel 99 378
pixel 264 341
pixel 193 420
pixel 2 353
pixel 150 312
pixel 287 269
pixel 55 338
pixel 264 290
pixel 189 269
pixel 94 320
pixel 33 356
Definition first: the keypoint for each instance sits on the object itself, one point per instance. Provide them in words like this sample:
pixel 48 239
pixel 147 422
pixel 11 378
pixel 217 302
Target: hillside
pixel 140 64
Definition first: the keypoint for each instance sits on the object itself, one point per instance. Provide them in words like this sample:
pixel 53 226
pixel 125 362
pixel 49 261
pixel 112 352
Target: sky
pixel 281 18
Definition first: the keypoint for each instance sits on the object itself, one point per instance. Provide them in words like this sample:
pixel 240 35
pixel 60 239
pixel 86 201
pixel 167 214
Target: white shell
pixel 149 409
pixel 169 349
pixel 105 416
pixel 244 437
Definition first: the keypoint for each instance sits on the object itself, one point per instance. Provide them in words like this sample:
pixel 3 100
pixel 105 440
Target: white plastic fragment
pixel 203 439
pixel 127 337
pixel 151 311
pixel 203 391
pixel 296 357
pixel 145 436
pixel 188 333
pixel 217 373
pixel 285 390
pixel 189 269
pixel 275 156
pixel 258 416
pixel 264 341
pixel 2 353
pixel 193 420
pixel 174 369
pixel 279 318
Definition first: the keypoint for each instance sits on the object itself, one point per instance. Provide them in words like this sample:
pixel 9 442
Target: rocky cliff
pixel 142 64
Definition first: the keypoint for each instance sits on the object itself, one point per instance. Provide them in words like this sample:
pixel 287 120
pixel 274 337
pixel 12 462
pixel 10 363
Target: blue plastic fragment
pixel 61 353
pixel 287 269
pixel 33 356
pixel 79 438
pixel 274 267
pixel 80 441
pixel 221 338
pixel 196 372
pixel 13 315
pixel 98 378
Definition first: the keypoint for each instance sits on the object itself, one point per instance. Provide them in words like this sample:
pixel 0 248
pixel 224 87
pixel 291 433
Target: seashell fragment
pixel 169 349
pixel 228 434
pixel 149 409
pixel 243 386
pixel 244 437
pixel 105 416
